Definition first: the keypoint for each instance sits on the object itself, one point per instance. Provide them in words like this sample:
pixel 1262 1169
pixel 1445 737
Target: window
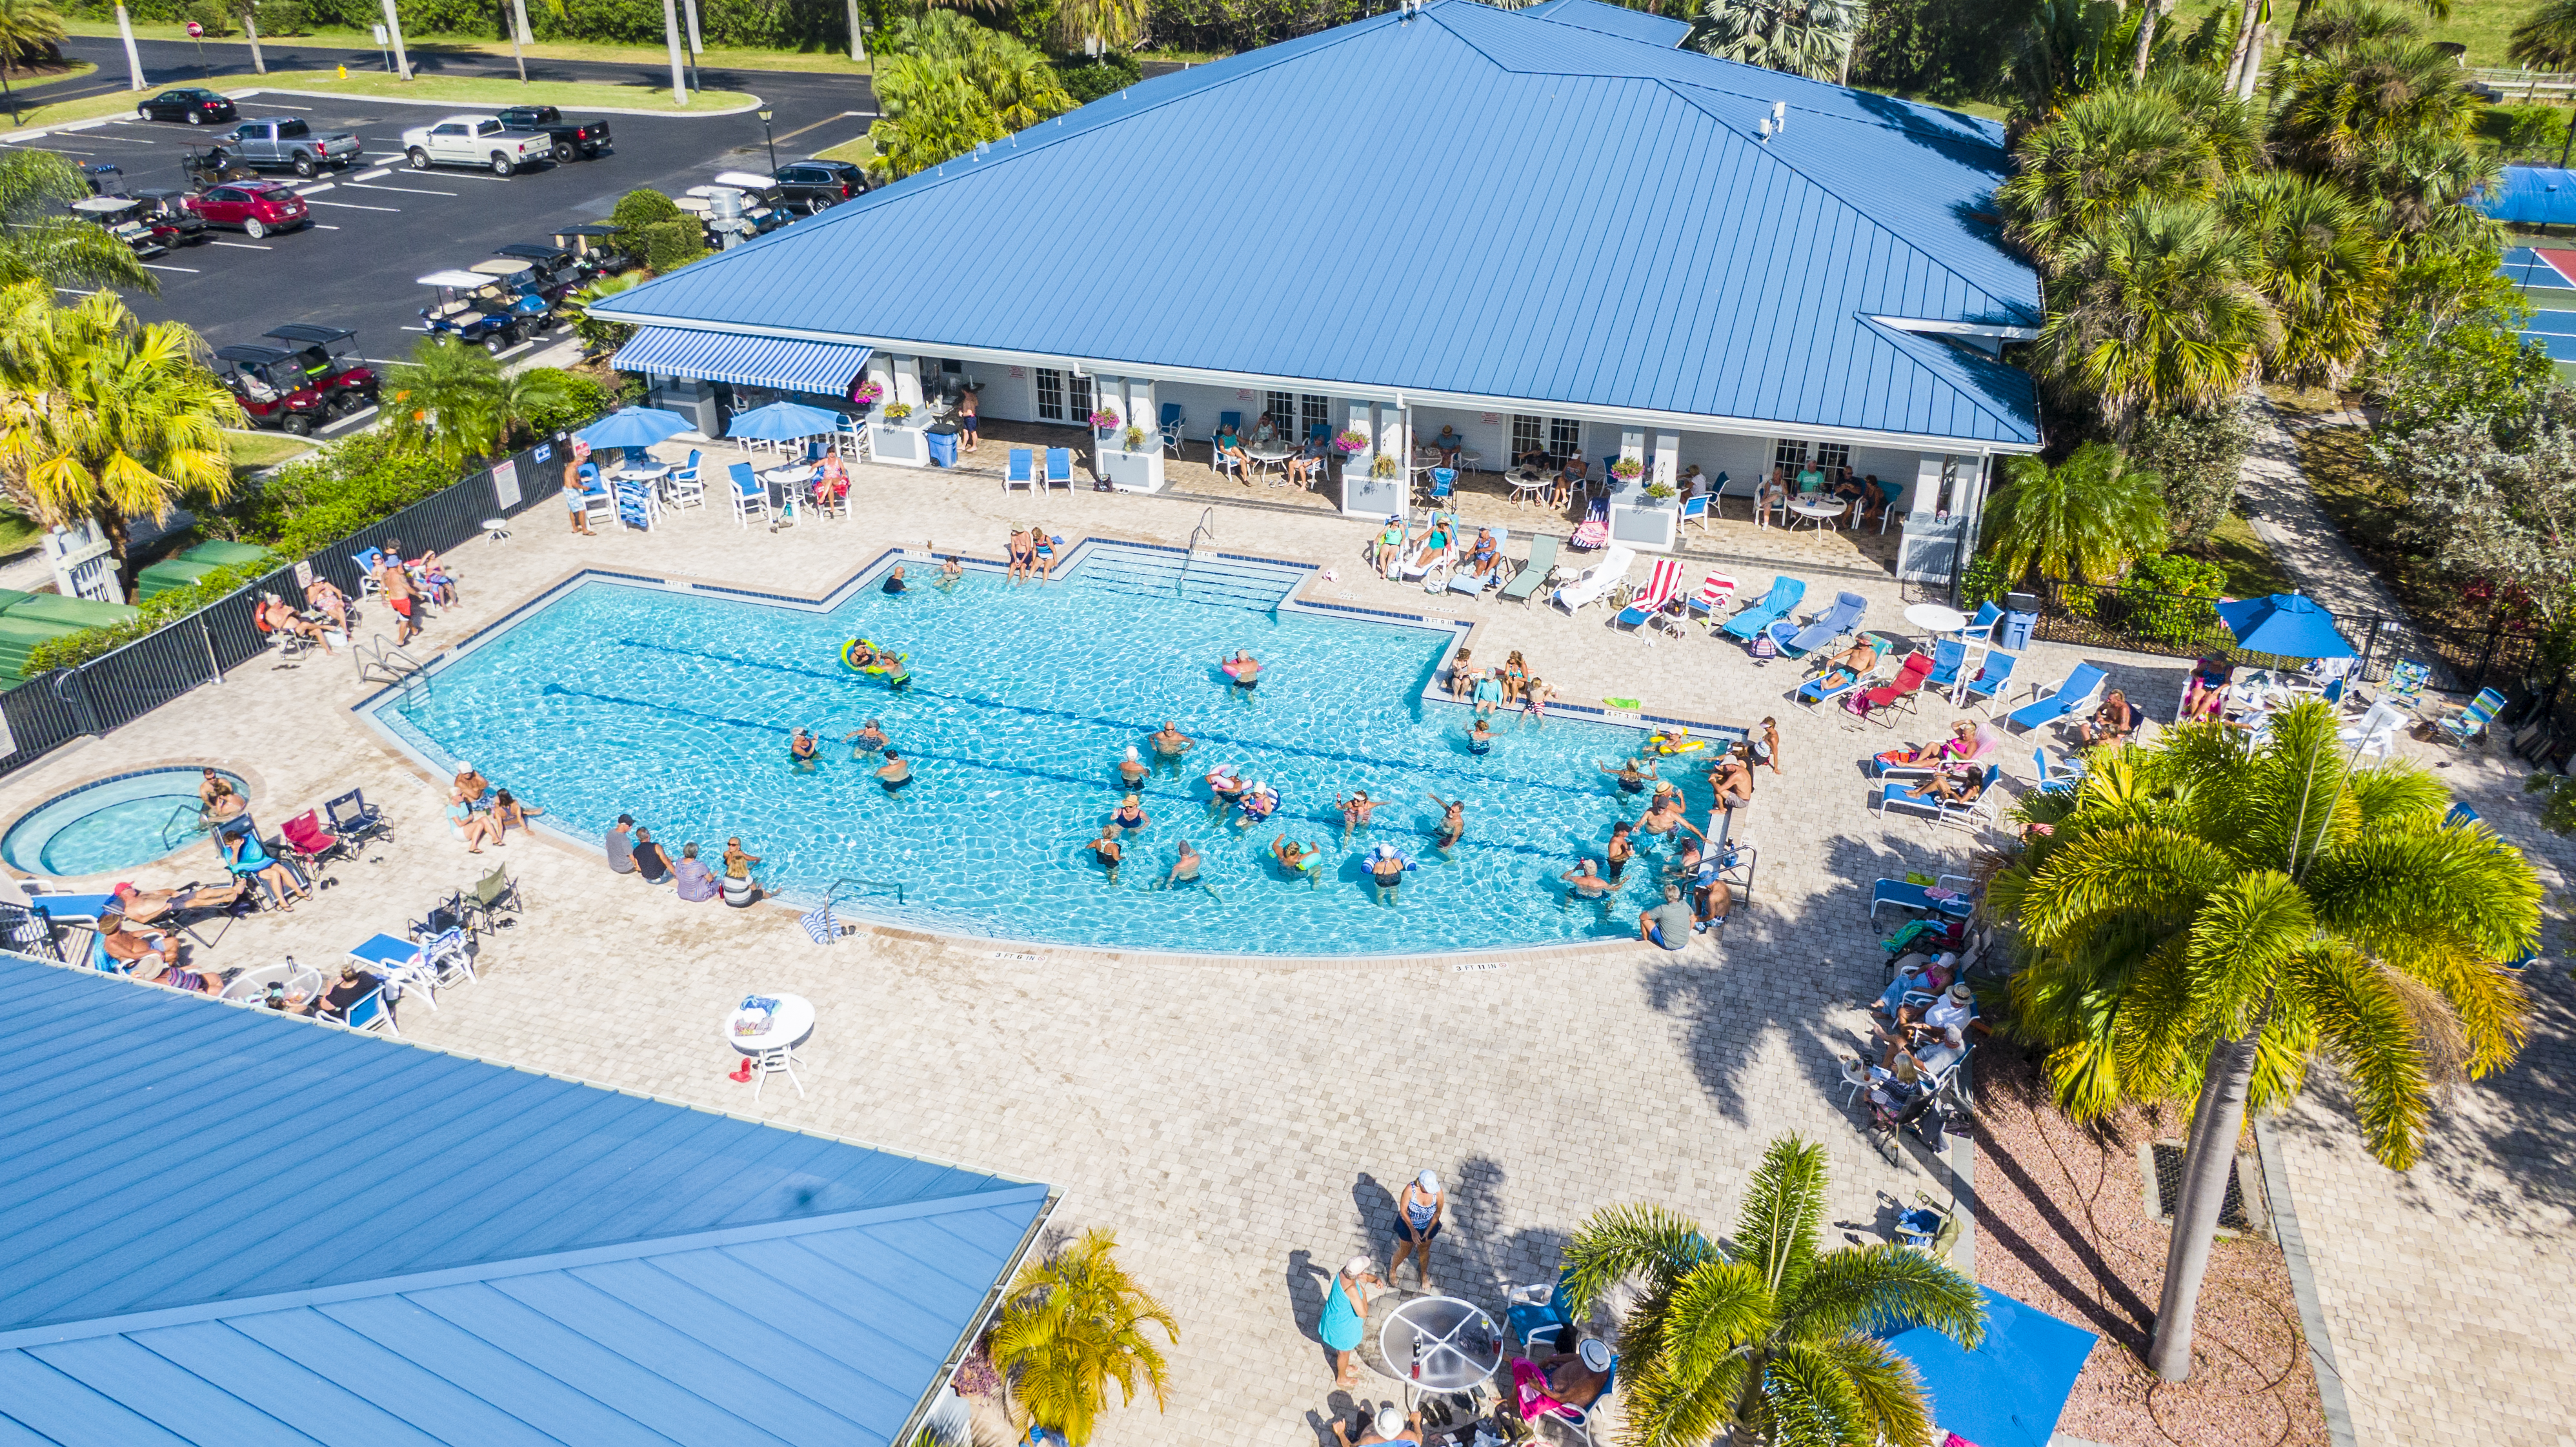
pixel 1564 437
pixel 1830 455
pixel 1789 454
pixel 1051 395
pixel 1314 412
pixel 1078 396
pixel 1529 434
pixel 1282 407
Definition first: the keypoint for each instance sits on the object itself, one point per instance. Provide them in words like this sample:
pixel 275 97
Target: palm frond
pixel 1783 1202
pixel 1887 1387
pixel 1714 1311
pixel 1861 1288
pixel 2367 1029
pixel 1619 1241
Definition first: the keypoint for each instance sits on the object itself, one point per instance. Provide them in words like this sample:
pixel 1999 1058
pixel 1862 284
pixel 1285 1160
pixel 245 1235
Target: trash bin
pixel 2017 628
pixel 943 447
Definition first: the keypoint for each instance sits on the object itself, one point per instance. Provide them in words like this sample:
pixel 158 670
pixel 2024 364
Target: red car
pixel 257 207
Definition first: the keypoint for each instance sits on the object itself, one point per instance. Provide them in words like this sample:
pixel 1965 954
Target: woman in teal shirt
pixel 1345 1318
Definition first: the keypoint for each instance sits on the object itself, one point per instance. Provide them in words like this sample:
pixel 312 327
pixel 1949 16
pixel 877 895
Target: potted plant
pixel 865 394
pixel 1134 438
pixel 1104 421
pixel 1347 443
pixel 1629 469
pixel 896 412
pixel 897 441
pixel 1660 491
pixel 1383 465
pixel 1128 458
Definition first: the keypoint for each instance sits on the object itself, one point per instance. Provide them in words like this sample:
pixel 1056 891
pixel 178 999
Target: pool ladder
pixel 173 835
pixel 865 889
pixel 1190 554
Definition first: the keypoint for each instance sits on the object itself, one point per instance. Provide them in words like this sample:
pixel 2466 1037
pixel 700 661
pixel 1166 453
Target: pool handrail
pixel 832 895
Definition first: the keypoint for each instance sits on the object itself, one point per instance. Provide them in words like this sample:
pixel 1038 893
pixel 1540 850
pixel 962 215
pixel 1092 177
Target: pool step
pixel 1202 578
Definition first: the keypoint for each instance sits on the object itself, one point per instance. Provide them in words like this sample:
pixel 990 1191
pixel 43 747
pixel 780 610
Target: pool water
pixel 112 824
pixel 676 708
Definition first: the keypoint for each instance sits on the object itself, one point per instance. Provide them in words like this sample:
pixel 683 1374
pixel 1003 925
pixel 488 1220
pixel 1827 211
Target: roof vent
pixel 1779 116
pixel 1764 126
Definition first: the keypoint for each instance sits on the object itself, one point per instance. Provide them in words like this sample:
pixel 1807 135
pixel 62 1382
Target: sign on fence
pixel 505 482
pixel 303 573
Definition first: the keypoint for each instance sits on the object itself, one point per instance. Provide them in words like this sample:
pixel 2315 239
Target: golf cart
pixel 121 217
pixel 594 246
pixel 332 366
pixel 212 166
pixel 167 213
pixel 272 388
pixel 481 310
pixel 558 272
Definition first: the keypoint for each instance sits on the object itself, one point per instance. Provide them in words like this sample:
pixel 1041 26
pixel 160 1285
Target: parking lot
pixel 378 226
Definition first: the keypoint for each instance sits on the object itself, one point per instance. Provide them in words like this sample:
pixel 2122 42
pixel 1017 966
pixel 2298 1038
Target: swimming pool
pixel 111 824
pixel 676 707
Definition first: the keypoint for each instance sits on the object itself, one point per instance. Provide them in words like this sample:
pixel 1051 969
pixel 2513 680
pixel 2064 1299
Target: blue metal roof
pixel 790 366
pixel 1471 201
pixel 222 1226
pixel 1616 20
pixel 2530 196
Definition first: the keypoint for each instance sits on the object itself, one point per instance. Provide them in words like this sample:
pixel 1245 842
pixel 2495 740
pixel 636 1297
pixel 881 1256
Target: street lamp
pixel 765 134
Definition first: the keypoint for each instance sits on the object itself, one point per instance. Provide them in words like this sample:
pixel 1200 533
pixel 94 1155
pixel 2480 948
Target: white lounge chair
pixel 1597 581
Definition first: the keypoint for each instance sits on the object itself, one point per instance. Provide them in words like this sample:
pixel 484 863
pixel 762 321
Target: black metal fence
pixel 2463 659
pixel 117 688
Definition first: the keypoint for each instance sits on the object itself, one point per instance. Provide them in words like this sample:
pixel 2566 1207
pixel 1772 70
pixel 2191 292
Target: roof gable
pixel 1638 25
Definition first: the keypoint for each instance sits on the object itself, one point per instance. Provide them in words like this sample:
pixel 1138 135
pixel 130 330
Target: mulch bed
pixel 2061 1224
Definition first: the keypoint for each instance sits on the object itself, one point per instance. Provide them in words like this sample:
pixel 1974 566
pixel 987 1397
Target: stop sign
pixel 195 30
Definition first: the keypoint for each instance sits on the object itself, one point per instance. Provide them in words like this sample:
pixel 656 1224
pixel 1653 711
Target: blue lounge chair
pixel 1461 580
pixel 1783 634
pixel 2061 778
pixel 1981 627
pixel 1990 680
pixel 1059 467
pixel 2076 692
pixel 1833 623
pixel 1021 470
pixel 1892 795
pixel 2464 727
pixel 1816 690
pixel 73 908
pixel 1229 422
pixel 1902 894
pixel 1443 480
pixel 1173 419
pixel 356 820
pixel 1539 1313
pixel 1771 608
pixel 1948 657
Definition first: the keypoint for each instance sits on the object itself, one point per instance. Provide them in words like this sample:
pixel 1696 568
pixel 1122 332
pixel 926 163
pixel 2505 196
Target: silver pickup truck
pixel 272 142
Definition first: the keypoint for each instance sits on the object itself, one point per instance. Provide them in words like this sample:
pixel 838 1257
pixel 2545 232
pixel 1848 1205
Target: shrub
pixel 284 17
pixel 2198 455
pixel 670 245
pixel 1088 80
pixel 640 208
pixel 585 397
pixel 73 649
pixel 2171 598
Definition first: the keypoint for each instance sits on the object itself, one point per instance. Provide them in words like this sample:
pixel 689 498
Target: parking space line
pixel 377 174
pixel 353 206
pixel 406 328
pixel 317 190
pixel 411 190
pixel 318 226
pixel 190 270
pixel 270 105
pixel 245 246
pixel 514 351
pixel 349 420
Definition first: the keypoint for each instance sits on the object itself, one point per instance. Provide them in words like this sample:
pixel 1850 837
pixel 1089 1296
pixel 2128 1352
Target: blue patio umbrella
pixel 783 422
pixel 2010 1391
pixel 634 427
pixel 2285 625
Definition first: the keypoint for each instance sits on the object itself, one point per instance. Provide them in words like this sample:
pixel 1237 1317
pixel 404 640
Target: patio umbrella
pixel 2010 1391
pixel 634 427
pixel 783 422
pixel 2285 625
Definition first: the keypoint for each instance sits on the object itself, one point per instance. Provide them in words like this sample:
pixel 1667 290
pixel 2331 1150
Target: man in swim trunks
pixel 866 741
pixel 1296 858
pixel 894 581
pixel 1732 778
pixel 1023 556
pixel 1185 869
pixel 1583 881
pixel 1243 672
pixel 1849 665
pixel 896 774
pixel 1170 743
pixel 800 748
pixel 1106 847
pixel 1664 817
pixel 1622 849
pixel 1453 823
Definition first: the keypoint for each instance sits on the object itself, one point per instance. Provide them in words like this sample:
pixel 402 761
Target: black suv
pixel 809 186
pixel 196 107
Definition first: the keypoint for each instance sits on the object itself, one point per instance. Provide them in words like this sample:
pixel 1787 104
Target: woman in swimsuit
pixel 1042 547
pixel 1462 679
pixel 1355 812
pixel 950 573
pixel 1296 858
pixel 1386 869
pixel 1516 677
pixel 1129 815
pixel 800 750
pixel 1389 548
pixel 1257 801
pixel 866 741
pixel 1632 774
pixel 1453 823
pixel 1106 848
pixel 1480 738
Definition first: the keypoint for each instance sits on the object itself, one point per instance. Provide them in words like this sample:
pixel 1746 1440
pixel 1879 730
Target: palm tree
pixel 598 334
pixel 456 403
pixel 1769 1342
pixel 1071 1324
pixel 2340 110
pixel 39 243
pixel 2203 918
pixel 1117 23
pixel 2157 312
pixel 2087 517
pixel 946 85
pixel 2104 153
pixel 1812 38
pixel 2316 258
pixel 26 28
pixel 106 418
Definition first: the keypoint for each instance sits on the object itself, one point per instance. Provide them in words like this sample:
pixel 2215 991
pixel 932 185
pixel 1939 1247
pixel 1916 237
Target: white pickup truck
pixel 474 141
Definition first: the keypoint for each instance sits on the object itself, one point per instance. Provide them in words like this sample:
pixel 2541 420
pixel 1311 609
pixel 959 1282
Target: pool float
pixel 1258 800
pixel 889 665
pixel 1680 743
pixel 1389 851
pixel 1236 668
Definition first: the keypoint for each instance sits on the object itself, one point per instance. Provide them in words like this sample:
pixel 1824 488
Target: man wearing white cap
pixel 1417 1220
pixel 1567 1379
pixel 1392 1426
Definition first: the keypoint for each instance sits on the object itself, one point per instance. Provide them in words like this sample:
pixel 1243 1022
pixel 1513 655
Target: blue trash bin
pixel 943 448
pixel 2016 630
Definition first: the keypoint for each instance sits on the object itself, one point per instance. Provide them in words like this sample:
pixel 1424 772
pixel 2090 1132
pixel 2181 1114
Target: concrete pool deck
pixel 1238 1122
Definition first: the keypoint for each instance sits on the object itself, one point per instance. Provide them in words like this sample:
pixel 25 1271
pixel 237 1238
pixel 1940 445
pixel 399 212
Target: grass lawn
pixel 254 450
pixel 2251 571
pixel 2484 26
pixel 859 151
pixel 445 90
pixel 17 534
pixel 748 58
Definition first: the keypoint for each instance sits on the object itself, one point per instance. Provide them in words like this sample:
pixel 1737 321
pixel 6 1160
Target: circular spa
pixel 676 707
pixel 112 824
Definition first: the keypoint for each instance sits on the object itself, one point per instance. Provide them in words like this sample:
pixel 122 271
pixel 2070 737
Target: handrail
pixel 1190 554
pixel 195 814
pixel 868 887
pixel 382 654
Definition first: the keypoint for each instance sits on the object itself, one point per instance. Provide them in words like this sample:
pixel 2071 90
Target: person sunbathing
pixel 324 597
pixel 1434 543
pixel 244 857
pixel 2205 696
pixel 1849 666
pixel 1388 550
pixel 1960 746
pixel 142 906
pixel 831 481
pixel 1958 784
pixel 1485 556
pixel 1228 448
pixel 2113 721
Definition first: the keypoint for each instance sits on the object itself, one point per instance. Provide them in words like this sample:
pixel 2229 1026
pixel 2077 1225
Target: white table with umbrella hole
pixel 770 1049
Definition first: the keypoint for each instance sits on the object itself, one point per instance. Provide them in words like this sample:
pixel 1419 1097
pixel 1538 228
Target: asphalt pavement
pixel 379 227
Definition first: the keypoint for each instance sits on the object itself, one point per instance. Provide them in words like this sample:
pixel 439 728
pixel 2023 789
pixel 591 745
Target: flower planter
pixel 1372 497
pixel 1132 471
pixel 1641 522
pixel 901 446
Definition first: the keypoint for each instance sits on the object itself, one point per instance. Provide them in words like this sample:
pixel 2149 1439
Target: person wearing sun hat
pixel 1345 1318
pixel 1567 1379
pixel 1417 1221
pixel 1391 1426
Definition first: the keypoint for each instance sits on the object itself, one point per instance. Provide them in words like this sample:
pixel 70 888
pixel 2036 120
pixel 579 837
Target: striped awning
pixel 790 366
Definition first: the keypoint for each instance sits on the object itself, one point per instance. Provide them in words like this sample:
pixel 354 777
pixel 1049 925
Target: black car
pixel 195 106
pixel 809 186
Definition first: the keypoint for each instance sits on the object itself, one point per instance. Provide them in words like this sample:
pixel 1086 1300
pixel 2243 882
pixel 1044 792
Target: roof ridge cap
pixel 213 1309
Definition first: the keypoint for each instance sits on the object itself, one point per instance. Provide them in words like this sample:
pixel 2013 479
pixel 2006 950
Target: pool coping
pixel 1461 633
pixel 254 785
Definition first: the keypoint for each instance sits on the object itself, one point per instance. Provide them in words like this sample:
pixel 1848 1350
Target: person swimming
pixel 1453 823
pixel 1106 848
pixel 1131 768
pixel 1185 872
pixel 1129 815
pixel 1480 737
pixel 1622 849
pixel 950 573
pixel 1585 882
pixel 866 741
pixel 1242 671
pixel 1258 802
pixel 1386 866
pixel 1356 812
pixel 896 774
pixel 1632 774
pixel 1169 744
pixel 1297 858
pixel 800 749
pixel 1225 789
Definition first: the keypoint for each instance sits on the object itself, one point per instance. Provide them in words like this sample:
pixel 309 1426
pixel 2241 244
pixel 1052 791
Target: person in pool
pixel 1296 858
pixel 1131 768
pixel 1584 881
pixel 1356 811
pixel 1129 815
pixel 1170 743
pixel 1534 700
pixel 1663 818
pixel 863 655
pixel 894 581
pixel 1388 550
pixel 1107 849
pixel 950 573
pixel 896 774
pixel 1386 867
pixel 1225 790
pixel 800 749
pixel 1622 848
pixel 1453 823
pixel 1258 802
pixel 866 741
pixel 1185 871
pixel 1242 672
pixel 1632 774
pixel 1480 737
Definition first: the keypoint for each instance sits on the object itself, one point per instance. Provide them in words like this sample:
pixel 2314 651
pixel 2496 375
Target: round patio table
pixel 250 985
pixel 1818 511
pixel 1270 457
pixel 1527 482
pixel 1437 1344
pixel 790 1024
pixel 1934 618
